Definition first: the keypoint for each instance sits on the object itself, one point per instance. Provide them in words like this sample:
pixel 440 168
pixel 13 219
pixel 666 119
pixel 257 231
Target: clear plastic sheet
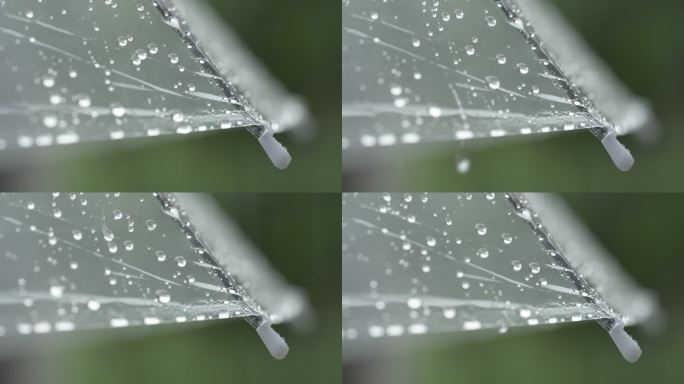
pixel 107 260
pixel 75 71
pixel 434 263
pixel 456 70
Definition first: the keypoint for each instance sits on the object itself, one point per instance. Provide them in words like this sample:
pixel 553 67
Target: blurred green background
pixel 641 41
pixel 643 232
pixel 299 42
pixel 300 234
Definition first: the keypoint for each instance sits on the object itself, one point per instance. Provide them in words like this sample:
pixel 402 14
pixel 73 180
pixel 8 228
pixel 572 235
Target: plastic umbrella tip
pixel 628 347
pixel 620 155
pixel 275 151
pixel 275 343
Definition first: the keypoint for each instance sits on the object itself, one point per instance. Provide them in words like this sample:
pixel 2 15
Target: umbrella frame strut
pixel 275 343
pixel 275 151
pixel 628 347
pixel 605 130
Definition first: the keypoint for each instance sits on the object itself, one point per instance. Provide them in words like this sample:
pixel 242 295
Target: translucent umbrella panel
pixel 75 71
pixel 456 70
pixel 429 263
pixel 95 261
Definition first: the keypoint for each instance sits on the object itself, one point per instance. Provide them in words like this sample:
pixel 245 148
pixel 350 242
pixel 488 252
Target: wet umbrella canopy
pixel 435 263
pixel 94 261
pixel 455 70
pixel 75 71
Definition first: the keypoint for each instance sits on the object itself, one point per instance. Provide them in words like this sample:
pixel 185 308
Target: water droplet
pixel 463 165
pixel 471 325
pixel 435 112
pixel 493 82
pixel 152 48
pixel 534 268
pixel 414 303
pixel 481 229
pixel 50 121
pixel 48 81
pixel 517 266
pixel 151 224
pixel 522 67
pixel 180 261
pixel 56 291
pixel 141 54
pixel 118 110
pixel 483 253
pixel 93 305
pixel 83 101
pixel 431 241
pixel 491 20
pixel 163 296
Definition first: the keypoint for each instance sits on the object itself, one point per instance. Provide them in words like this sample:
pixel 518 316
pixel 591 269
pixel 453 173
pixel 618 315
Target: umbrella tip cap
pixel 275 151
pixel 620 155
pixel 629 349
pixel 275 343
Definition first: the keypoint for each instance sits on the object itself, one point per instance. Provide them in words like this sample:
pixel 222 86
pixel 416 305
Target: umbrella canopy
pixel 75 72
pixel 457 70
pixel 107 260
pixel 423 263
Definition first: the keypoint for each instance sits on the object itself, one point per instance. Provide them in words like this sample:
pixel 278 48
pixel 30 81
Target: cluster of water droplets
pixel 109 71
pixel 87 261
pixel 418 263
pixel 436 71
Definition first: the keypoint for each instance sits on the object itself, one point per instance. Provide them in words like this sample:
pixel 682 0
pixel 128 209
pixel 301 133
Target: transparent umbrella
pixel 456 70
pixel 108 70
pixel 438 263
pixel 76 262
